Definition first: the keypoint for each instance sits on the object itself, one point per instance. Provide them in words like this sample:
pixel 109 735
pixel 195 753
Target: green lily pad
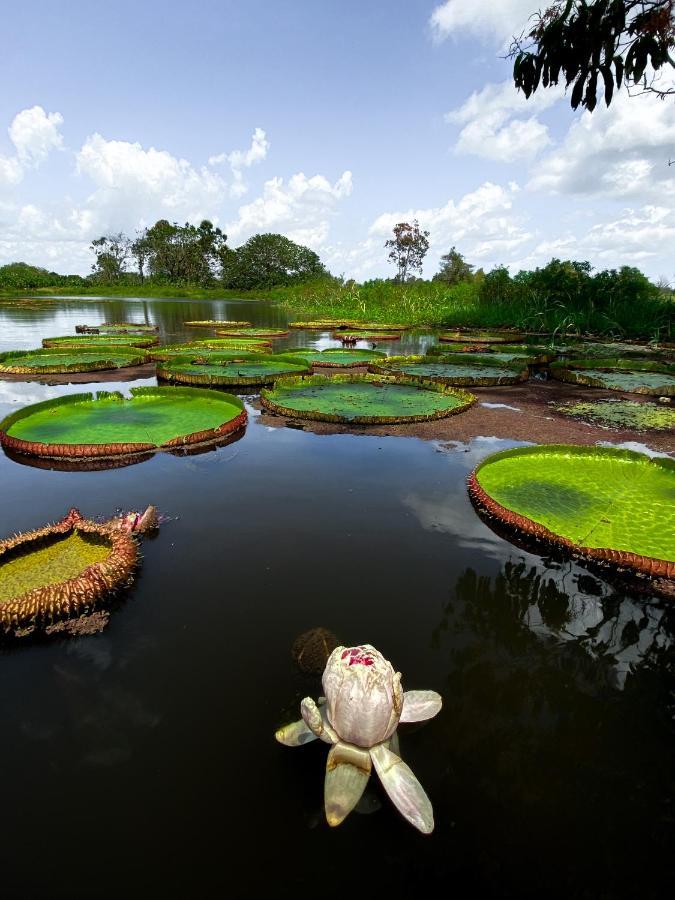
pixel 480 337
pixel 215 323
pixel 336 357
pixel 630 375
pixel 363 399
pixel 207 348
pixel 54 361
pixel 367 335
pixel 106 424
pixel 101 340
pixel 246 369
pixel 459 369
pixel 608 504
pixel 251 332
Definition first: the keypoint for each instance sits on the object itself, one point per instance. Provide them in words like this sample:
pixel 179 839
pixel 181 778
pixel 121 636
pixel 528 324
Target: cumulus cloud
pixel 494 20
pixel 134 185
pixel 621 152
pixel 498 123
pixel 34 134
pixel 301 207
pixel 243 159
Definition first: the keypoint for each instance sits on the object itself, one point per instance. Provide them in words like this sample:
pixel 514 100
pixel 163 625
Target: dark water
pixel 142 760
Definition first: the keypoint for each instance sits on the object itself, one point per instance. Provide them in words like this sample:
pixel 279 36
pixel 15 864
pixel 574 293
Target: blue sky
pixel 326 121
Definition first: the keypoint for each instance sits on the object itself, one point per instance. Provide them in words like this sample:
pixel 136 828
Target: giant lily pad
pixel 70 359
pixel 215 323
pixel 62 571
pixel 611 505
pixel 206 348
pixel 527 354
pixel 101 340
pixel 251 332
pixel 480 337
pixel 363 399
pixel 367 336
pixel 338 358
pixel 377 326
pixel 624 414
pixel 631 375
pixel 84 426
pixel 320 324
pixel 126 328
pixel 461 369
pixel 246 369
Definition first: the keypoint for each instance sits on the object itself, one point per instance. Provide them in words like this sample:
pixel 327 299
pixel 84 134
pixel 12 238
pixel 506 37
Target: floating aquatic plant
pixel 364 705
pixel 626 414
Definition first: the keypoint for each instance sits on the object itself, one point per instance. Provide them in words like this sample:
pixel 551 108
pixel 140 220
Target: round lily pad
pixel 631 375
pixel 85 426
pixel 101 340
pixel 624 414
pixel 377 326
pixel 527 354
pixel 464 369
pixel 338 358
pixel 367 335
pixel 480 337
pixel 320 324
pixel 54 361
pixel 363 399
pixel 126 328
pixel 247 369
pixel 215 323
pixel 612 350
pixel 251 332
pixel 62 571
pixel 206 348
pixel 611 505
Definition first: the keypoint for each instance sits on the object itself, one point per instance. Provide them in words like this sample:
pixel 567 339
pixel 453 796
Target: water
pixel 142 759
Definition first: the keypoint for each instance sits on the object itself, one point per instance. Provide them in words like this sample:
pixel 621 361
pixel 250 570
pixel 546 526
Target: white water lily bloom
pixel 359 715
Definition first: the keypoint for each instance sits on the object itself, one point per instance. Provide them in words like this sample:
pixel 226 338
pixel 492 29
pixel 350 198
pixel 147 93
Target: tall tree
pixel 454 268
pixel 598 44
pixel 408 248
pixel 112 252
pixel 266 260
pixel 181 253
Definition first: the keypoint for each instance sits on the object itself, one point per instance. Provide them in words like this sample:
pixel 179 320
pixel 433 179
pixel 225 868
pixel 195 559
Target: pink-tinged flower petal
pixel 405 791
pixel 363 695
pixel 295 735
pixel 418 706
pixel 347 773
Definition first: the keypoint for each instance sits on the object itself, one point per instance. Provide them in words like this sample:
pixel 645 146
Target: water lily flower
pixel 359 715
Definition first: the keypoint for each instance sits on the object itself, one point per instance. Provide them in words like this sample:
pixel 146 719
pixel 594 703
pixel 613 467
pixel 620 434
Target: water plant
pixel 459 369
pixel 251 332
pixel 218 369
pixel 216 323
pixel 625 414
pixel 101 340
pixel 364 705
pixel 608 505
pixel 364 399
pixel 70 359
pixel 337 357
pixel 480 337
pixel 634 376
pixel 86 426
pixel 351 336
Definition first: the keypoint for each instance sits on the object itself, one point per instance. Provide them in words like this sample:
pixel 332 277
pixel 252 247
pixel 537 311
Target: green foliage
pixel 20 276
pixel 408 248
pixel 596 44
pixel 454 268
pixel 266 260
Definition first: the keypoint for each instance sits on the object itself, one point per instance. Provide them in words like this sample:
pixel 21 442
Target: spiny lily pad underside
pixel 607 503
pixel 86 425
pixel 364 399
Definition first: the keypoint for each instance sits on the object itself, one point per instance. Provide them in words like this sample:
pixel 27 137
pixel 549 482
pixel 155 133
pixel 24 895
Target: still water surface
pixel 142 759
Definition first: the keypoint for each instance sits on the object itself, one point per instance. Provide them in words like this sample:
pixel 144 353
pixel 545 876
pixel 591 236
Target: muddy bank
pixel 520 412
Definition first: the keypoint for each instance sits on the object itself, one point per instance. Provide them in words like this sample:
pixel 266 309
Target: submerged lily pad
pixel 62 571
pixel 612 505
pixel 101 340
pixel 84 426
pixel 630 375
pixel 364 399
pixel 480 337
pixel 625 414
pixel 67 359
pixel 461 369
pixel 246 369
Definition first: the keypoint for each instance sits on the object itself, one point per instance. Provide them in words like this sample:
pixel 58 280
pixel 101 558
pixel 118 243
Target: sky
pixel 326 121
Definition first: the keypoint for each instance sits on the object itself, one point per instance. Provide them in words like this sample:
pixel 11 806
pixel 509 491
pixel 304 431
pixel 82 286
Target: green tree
pixel 181 253
pixel 408 248
pixel 597 44
pixel 267 260
pixel 454 268
pixel 496 286
pixel 112 252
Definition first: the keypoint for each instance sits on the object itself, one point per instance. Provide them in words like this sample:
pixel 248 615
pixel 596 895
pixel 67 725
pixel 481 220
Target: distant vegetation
pixel 195 261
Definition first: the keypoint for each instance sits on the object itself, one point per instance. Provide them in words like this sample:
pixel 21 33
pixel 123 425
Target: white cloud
pixel 243 159
pixel 134 185
pixel 496 20
pixel 492 128
pixel 303 206
pixel 621 152
pixel 34 134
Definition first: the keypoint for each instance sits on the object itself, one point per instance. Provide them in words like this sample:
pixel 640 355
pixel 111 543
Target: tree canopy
pixel 454 268
pixel 408 247
pixel 598 45
pixel 267 260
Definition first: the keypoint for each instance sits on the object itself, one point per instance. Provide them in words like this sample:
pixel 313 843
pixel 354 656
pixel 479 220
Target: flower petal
pixel 295 735
pixel 420 705
pixel 347 773
pixel 405 791
pixel 317 721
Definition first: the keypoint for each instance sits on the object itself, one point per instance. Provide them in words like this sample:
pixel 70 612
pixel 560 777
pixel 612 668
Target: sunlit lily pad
pixel 459 369
pixel 67 359
pixel 216 370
